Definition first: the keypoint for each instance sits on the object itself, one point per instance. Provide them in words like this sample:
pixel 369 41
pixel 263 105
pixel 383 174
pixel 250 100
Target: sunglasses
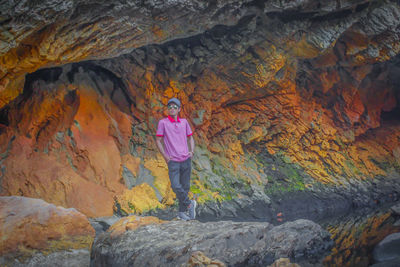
pixel 173 107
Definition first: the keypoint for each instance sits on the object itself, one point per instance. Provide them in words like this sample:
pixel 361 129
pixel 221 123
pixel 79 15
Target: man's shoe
pixel 192 209
pixel 182 216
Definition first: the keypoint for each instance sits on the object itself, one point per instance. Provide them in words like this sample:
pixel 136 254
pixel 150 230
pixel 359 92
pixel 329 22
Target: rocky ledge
pixel 233 243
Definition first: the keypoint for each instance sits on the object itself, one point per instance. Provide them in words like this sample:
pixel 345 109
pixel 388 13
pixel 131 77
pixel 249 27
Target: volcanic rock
pixel 233 243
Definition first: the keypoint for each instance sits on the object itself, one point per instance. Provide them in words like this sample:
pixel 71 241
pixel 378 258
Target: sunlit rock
pixel 31 227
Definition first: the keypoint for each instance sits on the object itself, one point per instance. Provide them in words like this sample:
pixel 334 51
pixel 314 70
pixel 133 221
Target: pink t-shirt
pixel 175 135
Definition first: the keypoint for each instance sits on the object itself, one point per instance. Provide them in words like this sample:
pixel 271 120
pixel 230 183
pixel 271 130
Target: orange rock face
pixel 42 34
pixel 315 92
pixel 67 142
pixel 30 225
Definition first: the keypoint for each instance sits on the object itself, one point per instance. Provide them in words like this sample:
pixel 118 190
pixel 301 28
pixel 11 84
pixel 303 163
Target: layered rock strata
pixel 47 33
pixel 357 234
pixel 287 97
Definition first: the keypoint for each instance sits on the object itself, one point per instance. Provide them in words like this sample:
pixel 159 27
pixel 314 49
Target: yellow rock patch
pixel 131 223
pixel 139 199
pixel 159 170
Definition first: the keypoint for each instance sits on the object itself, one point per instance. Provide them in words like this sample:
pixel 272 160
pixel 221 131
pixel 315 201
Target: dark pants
pixel 179 175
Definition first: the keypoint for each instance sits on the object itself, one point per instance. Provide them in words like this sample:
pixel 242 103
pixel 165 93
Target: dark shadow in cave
pixel 391 116
pixel 118 93
pixel 47 75
pixel 4 116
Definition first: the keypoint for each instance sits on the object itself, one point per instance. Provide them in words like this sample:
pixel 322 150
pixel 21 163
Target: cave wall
pixel 288 97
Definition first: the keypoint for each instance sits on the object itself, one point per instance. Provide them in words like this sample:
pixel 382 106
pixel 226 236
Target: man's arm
pixel 160 145
pixel 191 148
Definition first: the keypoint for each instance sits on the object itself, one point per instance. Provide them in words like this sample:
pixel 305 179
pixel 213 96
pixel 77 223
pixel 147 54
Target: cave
pixel 294 107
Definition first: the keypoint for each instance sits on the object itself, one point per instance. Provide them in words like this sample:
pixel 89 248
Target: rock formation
pixel 231 243
pixel 34 233
pixel 283 96
pixel 294 106
pixel 357 236
pixel 387 252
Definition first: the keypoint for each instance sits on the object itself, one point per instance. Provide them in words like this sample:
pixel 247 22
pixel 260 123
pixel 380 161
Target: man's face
pixel 173 109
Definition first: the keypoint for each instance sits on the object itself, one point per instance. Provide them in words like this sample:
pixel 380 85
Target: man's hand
pixel 191 147
pixel 160 145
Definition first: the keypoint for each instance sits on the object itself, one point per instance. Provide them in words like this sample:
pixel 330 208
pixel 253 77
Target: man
pixel 171 137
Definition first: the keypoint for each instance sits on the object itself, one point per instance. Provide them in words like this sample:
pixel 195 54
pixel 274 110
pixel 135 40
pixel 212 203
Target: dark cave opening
pixel 4 117
pixel 47 75
pixel 391 116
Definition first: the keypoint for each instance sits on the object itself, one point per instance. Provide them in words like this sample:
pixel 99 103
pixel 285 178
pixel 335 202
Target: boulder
pixel 232 243
pixel 298 240
pixel 38 233
pixel 388 249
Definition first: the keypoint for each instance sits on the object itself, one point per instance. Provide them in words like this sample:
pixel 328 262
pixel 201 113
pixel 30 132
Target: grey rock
pixel 128 177
pixel 295 245
pixel 383 18
pixel 101 224
pixel 78 258
pixel 234 243
pixel 388 249
pixel 259 195
pixel 396 209
pixel 392 263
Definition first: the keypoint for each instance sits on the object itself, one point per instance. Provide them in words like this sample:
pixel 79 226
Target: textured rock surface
pixel 250 244
pixel 198 259
pixel 355 236
pixel 64 258
pixel 396 209
pixel 29 227
pixel 388 248
pixel 287 96
pixel 39 34
pixel 131 223
pixel 283 262
pixel 101 224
